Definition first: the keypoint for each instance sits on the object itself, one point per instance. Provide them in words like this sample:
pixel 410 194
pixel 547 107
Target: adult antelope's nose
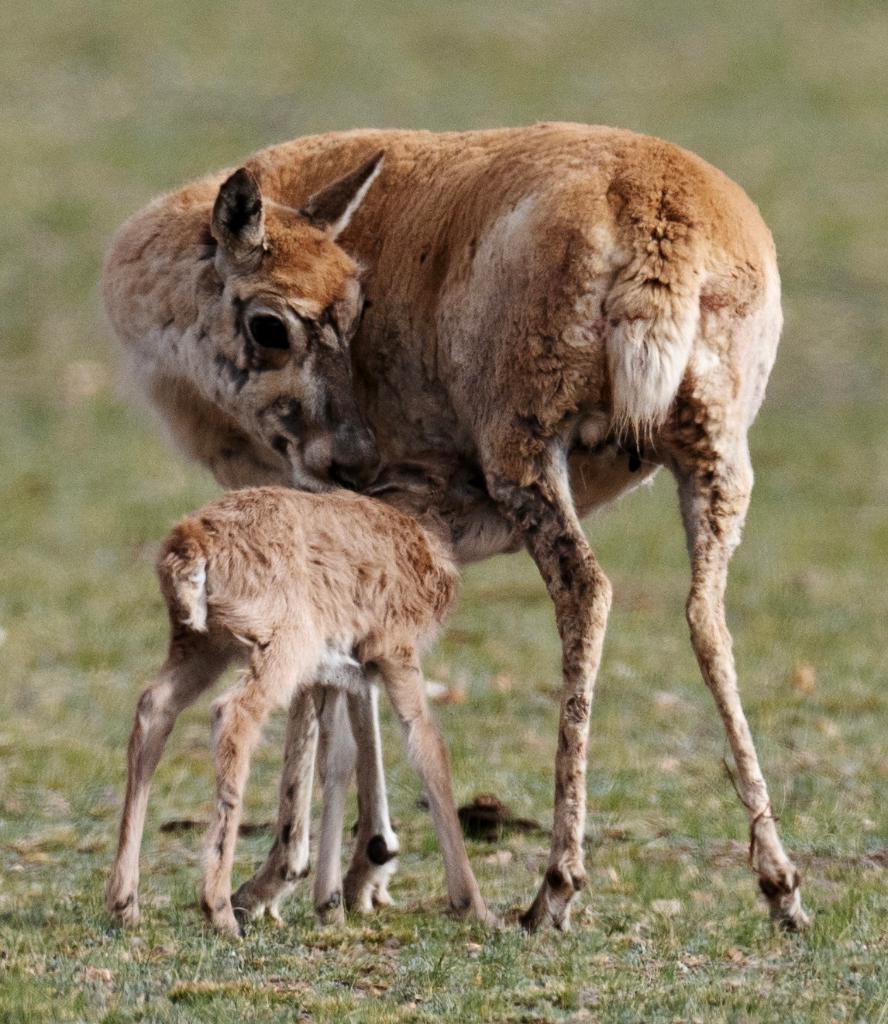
pixel 355 461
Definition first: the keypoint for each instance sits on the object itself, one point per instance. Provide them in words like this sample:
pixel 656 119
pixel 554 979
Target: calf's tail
pixel 182 568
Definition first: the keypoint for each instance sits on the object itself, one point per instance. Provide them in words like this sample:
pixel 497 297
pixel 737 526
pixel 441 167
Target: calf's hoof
pixel 248 904
pixel 473 908
pixel 330 911
pixel 124 909
pixel 486 917
pixel 366 885
pixel 221 917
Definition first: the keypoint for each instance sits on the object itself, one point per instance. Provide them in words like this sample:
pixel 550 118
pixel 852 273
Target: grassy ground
pixel 106 103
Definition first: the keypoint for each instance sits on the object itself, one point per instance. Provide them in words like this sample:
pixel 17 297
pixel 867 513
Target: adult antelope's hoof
pixel 786 909
pixel 785 903
pixel 535 915
pixel 553 901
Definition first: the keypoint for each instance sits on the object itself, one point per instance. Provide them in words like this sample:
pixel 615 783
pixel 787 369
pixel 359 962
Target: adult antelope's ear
pixel 238 217
pixel 332 208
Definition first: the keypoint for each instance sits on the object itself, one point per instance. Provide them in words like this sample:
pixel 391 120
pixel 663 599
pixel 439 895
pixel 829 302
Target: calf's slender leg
pixel 537 500
pixel 337 767
pixel 374 860
pixel 237 718
pixel 288 859
pixel 403 682
pixel 714 489
pixel 193 664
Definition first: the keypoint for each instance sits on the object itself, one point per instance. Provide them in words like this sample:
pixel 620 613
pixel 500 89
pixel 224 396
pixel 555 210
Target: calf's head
pixel 292 301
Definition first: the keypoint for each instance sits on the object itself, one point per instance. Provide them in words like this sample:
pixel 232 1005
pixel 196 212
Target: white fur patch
pixel 594 429
pixel 340 670
pixel 764 334
pixel 342 222
pixel 193 594
pixel 647 357
pixel 703 360
pixel 506 234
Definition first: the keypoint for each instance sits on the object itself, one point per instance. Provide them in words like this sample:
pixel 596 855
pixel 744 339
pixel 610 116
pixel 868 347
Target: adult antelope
pixel 561 309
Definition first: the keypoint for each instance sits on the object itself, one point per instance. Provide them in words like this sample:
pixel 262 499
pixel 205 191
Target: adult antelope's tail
pixel 652 308
pixel 182 568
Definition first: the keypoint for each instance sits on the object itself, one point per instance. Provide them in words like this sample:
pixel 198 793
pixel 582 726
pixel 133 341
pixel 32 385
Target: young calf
pixel 300 588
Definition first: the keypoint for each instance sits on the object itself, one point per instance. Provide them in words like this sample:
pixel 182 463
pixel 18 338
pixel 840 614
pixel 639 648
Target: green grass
pixel 105 104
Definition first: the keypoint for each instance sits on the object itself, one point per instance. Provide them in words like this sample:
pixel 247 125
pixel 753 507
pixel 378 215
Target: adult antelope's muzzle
pixel 355 457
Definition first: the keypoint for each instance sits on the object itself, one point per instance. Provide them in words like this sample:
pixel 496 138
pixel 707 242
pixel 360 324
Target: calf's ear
pixel 238 223
pixel 333 206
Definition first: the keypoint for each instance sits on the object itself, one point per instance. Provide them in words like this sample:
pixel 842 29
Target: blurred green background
pixel 102 105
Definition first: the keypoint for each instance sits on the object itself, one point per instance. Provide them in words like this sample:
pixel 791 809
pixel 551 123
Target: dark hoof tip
pixel 124 904
pixel 555 878
pixel 770 890
pixel 528 923
pixel 333 902
pixel 378 852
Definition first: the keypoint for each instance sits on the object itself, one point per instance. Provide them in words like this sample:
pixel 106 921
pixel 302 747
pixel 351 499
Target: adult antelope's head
pixel 293 300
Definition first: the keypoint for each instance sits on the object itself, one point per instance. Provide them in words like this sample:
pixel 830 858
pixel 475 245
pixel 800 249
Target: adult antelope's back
pixel 558 310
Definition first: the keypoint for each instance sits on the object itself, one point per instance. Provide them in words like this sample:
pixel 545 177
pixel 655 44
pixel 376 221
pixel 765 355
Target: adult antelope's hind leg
pixel 288 859
pixel 543 511
pixel 193 664
pixel 374 860
pixel 403 683
pixel 714 488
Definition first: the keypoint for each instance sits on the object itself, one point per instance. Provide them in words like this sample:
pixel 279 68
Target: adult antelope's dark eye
pixel 269 332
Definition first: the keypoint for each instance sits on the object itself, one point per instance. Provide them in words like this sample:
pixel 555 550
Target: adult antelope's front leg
pixel 714 497
pixel 543 511
pixel 288 859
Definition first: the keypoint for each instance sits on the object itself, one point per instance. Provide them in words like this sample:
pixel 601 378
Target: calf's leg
pixel 288 859
pixel 374 860
pixel 237 718
pixel 337 767
pixel 192 666
pixel 403 682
